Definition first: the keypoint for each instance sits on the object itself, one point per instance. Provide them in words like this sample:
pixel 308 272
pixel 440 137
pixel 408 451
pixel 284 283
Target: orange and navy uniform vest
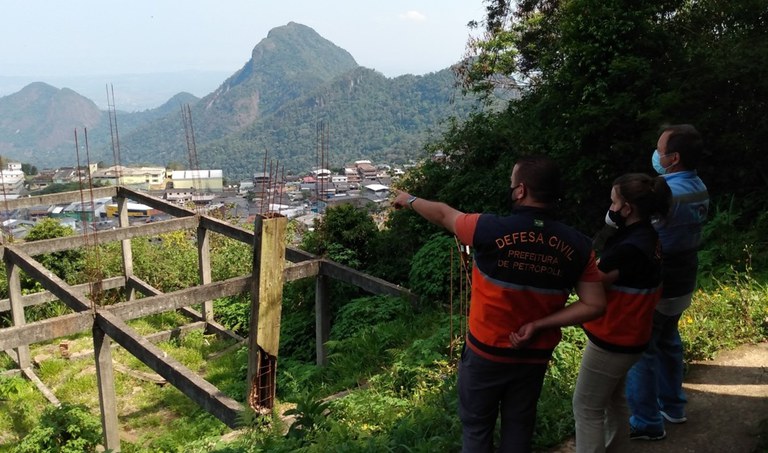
pixel 635 251
pixel 525 266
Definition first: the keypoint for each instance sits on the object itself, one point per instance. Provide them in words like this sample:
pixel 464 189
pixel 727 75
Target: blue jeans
pixel 487 388
pixel 655 382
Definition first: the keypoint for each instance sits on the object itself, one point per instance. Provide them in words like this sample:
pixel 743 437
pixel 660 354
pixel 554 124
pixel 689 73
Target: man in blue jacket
pixel 655 383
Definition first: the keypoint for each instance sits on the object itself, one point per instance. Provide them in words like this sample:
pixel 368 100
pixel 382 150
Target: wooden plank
pixel 47 279
pixel 227 229
pixel 57 198
pixel 177 332
pixel 49 329
pixel 125 244
pixel 204 267
pixel 152 378
pixel 322 319
pixel 105 381
pixel 154 338
pixel 305 269
pixel 45 330
pixel 178 299
pixel 212 326
pixel 266 307
pixel 295 255
pixel 271 283
pixel 47 393
pixel 364 281
pixel 17 310
pixel 35 248
pixel 205 394
pixel 29 300
pixel 155 202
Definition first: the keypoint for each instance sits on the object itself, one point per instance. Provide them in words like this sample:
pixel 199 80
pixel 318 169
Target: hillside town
pixel 304 197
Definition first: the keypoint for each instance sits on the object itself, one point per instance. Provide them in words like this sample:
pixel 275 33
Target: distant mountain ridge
pixel 294 81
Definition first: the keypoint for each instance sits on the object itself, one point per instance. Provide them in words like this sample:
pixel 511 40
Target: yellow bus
pixel 134 210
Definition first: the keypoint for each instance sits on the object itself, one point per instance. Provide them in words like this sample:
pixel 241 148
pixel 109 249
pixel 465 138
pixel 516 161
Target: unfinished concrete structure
pixel 273 265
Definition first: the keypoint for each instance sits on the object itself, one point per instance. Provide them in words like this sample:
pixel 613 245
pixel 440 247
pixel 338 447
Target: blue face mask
pixel 656 162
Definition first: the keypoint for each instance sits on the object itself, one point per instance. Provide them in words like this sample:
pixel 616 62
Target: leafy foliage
pixel 310 417
pixel 436 269
pixel 596 86
pixel 65 264
pixel 343 235
pixel 365 313
pixel 68 429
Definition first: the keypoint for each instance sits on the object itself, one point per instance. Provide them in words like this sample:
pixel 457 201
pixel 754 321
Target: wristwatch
pixel 410 201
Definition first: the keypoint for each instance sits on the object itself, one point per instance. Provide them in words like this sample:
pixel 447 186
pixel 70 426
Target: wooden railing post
pixel 17 310
pixel 105 379
pixel 266 307
pixel 322 318
pixel 204 266
pixel 122 209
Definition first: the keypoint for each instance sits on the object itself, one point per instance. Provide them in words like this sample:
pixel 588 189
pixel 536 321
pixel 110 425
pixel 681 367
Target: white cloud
pixel 413 16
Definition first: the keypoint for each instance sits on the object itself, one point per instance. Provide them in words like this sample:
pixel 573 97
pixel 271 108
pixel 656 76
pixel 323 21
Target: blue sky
pixel 42 38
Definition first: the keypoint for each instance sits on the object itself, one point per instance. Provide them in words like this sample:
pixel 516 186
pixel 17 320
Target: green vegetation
pixel 598 85
pixel 67 429
pixel 391 379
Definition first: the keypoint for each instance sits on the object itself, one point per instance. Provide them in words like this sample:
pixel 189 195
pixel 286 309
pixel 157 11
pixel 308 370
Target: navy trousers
pixel 487 388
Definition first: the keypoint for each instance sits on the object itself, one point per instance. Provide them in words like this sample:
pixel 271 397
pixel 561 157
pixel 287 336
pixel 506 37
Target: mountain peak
pixel 290 62
pixel 299 45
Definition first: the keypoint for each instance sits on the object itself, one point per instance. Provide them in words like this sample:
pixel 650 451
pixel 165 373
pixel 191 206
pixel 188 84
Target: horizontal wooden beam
pixel 205 394
pixel 305 269
pixel 29 300
pixel 35 248
pixel 45 330
pixel 295 255
pixel 211 326
pixel 227 229
pixel 155 202
pixel 58 198
pixel 178 299
pixel 61 326
pixel 364 281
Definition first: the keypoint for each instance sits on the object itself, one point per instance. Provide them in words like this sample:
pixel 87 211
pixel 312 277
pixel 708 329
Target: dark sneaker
pixel 636 434
pixel 675 420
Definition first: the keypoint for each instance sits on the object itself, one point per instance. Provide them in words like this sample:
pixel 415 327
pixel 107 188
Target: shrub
pixel 433 274
pixel 365 312
pixel 67 428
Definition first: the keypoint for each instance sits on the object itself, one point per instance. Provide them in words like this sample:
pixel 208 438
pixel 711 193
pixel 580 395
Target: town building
pixel 137 178
pixel 200 180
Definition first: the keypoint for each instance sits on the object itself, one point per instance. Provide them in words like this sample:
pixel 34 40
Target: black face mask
pixel 616 218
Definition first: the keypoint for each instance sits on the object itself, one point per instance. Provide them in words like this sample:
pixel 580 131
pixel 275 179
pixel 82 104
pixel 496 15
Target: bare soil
pixel 727 402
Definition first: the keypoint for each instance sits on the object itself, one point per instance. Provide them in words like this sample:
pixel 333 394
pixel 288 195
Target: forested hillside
pixel 294 81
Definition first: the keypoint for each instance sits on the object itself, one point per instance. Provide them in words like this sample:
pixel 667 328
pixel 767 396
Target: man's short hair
pixel 685 140
pixel 541 177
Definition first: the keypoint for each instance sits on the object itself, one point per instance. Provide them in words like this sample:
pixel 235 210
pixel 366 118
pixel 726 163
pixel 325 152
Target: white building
pixel 11 183
pixel 200 180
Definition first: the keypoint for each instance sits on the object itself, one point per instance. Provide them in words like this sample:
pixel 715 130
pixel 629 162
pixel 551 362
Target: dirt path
pixel 727 400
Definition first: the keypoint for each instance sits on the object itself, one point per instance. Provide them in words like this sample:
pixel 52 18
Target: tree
pixel 597 79
pixel 343 235
pixel 29 169
pixel 66 264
